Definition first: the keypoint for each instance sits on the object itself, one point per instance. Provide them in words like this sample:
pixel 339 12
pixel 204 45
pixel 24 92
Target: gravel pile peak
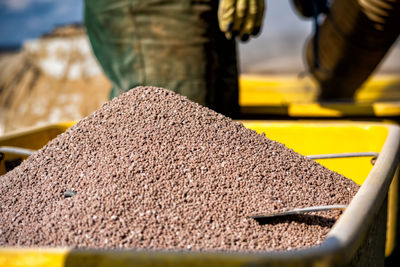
pixel 153 170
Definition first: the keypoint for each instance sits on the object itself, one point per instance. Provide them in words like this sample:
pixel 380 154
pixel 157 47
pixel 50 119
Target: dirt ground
pixel 29 97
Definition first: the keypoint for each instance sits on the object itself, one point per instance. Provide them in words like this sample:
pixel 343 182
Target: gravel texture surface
pixel 152 170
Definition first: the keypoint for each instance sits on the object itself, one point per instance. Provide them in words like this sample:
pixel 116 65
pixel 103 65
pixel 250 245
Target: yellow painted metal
pixel 32 138
pixel 392 220
pixel 11 257
pixel 274 90
pixel 306 138
pixel 311 138
pixel 35 137
pixel 292 96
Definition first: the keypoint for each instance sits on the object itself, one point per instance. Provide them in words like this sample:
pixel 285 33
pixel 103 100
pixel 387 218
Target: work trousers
pixel 175 44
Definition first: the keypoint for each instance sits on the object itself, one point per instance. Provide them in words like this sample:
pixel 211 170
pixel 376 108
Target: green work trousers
pixel 175 44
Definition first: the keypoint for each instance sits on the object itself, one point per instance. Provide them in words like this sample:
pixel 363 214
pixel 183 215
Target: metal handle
pixel 17 150
pixel 344 155
pixel 299 211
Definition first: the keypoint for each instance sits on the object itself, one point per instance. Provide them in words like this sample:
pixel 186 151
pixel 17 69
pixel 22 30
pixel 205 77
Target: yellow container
pixel 358 237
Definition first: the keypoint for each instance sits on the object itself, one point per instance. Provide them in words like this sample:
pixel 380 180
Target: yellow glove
pixel 240 17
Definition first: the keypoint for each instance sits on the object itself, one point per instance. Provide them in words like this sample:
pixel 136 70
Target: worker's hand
pixel 241 18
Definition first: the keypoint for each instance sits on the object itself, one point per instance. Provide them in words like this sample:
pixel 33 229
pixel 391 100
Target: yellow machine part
pixel 33 257
pixel 291 96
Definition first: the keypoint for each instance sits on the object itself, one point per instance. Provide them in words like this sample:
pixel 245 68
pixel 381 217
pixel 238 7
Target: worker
pixel 352 41
pixel 186 46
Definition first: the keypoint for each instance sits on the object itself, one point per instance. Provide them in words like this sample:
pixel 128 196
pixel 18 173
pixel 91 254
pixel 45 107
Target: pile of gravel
pixel 153 170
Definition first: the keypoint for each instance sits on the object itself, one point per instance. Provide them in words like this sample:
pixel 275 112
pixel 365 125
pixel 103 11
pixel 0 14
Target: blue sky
pixel 25 19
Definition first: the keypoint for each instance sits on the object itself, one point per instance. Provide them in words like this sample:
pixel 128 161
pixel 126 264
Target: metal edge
pixel 351 229
pixel 36 129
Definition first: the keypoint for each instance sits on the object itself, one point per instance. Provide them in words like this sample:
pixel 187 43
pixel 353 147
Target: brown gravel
pixel 151 169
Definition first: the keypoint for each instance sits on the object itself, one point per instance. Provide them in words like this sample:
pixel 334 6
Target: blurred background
pixel 48 73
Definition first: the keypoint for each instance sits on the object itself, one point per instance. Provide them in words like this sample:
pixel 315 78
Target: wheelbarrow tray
pixel 358 237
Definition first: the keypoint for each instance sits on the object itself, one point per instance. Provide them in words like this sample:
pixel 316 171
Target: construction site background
pixel 56 78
